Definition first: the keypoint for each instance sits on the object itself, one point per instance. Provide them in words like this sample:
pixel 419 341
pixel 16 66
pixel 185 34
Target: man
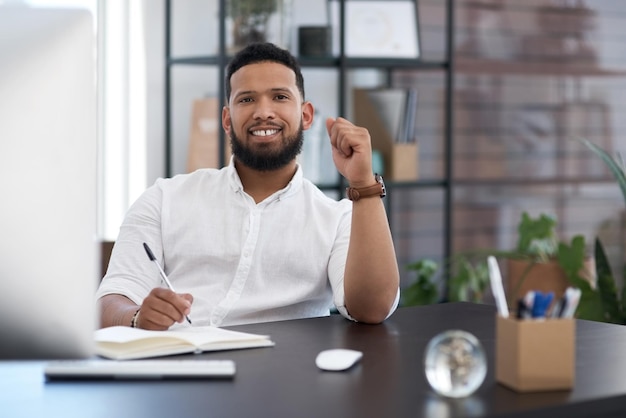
pixel 255 241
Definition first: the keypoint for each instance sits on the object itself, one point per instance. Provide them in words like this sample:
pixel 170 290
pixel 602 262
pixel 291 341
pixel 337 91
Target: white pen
pixel 572 296
pixel 496 286
pixel 163 275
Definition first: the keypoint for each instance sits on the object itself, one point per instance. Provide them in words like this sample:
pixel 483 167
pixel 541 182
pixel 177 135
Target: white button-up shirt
pixel 283 258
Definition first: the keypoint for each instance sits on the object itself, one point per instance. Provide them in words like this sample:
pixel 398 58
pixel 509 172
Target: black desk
pixel 283 381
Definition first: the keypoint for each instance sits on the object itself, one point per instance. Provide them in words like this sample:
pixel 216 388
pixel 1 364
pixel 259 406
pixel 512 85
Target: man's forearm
pixel 116 310
pixel 371 278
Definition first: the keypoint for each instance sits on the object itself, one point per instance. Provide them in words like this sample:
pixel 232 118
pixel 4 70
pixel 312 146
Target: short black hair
pixel 263 52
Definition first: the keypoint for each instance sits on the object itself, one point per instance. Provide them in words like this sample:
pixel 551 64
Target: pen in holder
pixel 535 354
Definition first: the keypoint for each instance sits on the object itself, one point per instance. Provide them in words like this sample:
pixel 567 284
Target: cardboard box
pixel 535 355
pixel 400 159
pixel 204 148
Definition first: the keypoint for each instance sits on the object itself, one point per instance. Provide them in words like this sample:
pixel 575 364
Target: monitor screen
pixel 49 254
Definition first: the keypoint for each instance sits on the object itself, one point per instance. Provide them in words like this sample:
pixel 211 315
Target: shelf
pixel 344 67
pixel 529 182
pixel 495 182
pixel 395 63
pixel 516 68
pixel 199 60
pixel 329 62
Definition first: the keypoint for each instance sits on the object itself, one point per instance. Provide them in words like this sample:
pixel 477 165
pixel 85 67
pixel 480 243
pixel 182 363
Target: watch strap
pixel 377 189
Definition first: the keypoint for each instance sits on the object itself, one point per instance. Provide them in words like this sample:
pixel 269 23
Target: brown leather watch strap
pixel 377 189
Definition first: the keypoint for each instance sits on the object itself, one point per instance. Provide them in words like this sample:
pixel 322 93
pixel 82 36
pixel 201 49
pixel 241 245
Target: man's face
pixel 265 117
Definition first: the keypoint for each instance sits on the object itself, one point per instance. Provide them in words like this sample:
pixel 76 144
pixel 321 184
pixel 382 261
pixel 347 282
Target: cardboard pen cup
pixel 535 355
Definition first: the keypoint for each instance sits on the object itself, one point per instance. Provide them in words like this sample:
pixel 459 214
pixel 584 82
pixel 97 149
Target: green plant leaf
pixel 599 303
pixel 460 282
pixel 468 280
pixel 251 7
pixel 479 281
pixel 623 298
pixel 571 259
pixel 423 291
pixel 606 286
pixel 590 306
pixel 616 165
pixel 537 236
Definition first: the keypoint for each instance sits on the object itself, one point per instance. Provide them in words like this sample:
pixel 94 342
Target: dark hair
pixel 263 52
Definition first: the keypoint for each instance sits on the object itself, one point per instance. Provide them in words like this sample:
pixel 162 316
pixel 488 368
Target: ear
pixel 226 121
pixel 307 115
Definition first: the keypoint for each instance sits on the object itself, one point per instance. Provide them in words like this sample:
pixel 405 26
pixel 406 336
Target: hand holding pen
pixel 161 272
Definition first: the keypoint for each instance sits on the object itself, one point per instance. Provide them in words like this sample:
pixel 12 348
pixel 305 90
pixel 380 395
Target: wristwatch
pixel 377 189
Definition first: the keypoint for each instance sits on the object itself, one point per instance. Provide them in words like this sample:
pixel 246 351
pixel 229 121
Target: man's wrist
pixel 371 190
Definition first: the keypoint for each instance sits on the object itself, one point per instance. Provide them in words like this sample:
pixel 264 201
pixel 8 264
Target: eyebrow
pixel 272 90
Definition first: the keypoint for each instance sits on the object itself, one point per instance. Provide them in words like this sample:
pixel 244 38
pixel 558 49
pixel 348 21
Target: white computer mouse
pixel 337 359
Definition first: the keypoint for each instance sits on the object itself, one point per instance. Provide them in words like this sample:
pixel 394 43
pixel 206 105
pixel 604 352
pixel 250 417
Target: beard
pixel 262 157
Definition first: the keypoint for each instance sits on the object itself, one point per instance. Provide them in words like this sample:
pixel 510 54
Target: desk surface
pixel 283 381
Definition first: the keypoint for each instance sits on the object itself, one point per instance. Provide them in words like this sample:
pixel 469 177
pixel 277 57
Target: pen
pixel 163 275
pixel 559 307
pixel 496 286
pixel 525 305
pixel 522 309
pixel 541 303
pixel 572 296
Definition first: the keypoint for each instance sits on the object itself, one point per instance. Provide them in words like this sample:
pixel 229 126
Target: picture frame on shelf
pixel 378 29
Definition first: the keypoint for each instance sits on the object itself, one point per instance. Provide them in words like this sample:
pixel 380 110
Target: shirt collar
pixel 292 187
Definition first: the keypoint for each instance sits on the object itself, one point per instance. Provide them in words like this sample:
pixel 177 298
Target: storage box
pixel 204 148
pixel 384 113
pixel 535 354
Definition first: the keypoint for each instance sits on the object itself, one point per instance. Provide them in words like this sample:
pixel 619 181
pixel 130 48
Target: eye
pixel 245 100
pixel 282 97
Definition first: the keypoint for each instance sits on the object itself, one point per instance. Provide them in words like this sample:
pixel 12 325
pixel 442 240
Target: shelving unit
pixel 343 65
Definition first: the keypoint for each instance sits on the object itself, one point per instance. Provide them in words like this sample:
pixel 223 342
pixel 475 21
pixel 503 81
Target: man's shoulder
pixel 323 198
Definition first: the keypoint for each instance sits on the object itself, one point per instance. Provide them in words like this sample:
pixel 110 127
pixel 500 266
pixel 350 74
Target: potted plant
pixel 423 291
pixel 600 301
pixel 600 298
pixel 538 262
pixel 467 284
pixel 615 164
pixel 250 20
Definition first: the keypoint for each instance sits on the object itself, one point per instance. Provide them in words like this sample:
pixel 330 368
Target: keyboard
pixel 95 369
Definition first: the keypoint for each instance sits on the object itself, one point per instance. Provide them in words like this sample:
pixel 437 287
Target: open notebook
pixel 125 343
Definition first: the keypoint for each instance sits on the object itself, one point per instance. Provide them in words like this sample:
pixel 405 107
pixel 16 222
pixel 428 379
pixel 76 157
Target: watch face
pixel 380 180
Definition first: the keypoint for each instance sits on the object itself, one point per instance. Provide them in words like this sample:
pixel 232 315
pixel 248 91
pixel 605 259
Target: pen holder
pixel 535 355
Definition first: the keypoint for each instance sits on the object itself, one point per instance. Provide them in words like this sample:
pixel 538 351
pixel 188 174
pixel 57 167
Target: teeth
pixel 265 132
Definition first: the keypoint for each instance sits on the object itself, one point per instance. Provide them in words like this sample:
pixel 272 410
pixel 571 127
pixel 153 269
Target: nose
pixel 264 109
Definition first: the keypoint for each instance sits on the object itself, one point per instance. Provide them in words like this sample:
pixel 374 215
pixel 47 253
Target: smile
pixel 264 132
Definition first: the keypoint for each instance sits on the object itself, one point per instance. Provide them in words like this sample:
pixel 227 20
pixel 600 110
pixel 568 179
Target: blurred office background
pixel 529 76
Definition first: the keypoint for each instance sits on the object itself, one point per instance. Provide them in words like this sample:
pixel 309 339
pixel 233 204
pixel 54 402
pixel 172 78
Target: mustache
pixel 265 125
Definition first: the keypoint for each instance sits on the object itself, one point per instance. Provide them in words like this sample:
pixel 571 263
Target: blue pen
pixel 541 303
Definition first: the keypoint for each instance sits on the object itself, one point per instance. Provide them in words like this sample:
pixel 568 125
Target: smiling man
pixel 255 241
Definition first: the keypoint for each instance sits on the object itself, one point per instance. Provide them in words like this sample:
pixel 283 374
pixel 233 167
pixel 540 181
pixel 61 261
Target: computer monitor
pixel 48 178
